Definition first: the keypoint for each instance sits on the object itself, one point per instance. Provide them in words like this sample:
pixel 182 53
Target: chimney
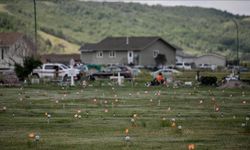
pixel 127 40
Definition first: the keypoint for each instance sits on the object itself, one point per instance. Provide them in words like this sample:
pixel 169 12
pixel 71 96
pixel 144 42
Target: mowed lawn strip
pixel 104 112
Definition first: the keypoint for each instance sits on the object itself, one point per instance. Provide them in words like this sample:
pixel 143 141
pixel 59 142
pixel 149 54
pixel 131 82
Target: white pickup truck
pixel 49 70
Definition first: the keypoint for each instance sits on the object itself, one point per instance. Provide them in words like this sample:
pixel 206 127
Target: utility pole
pixel 237 38
pixel 35 24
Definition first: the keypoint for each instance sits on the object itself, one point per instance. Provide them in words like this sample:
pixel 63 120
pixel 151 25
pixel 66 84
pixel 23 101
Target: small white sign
pixel 72 72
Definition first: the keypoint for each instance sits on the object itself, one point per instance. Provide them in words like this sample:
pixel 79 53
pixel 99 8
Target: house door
pixel 130 57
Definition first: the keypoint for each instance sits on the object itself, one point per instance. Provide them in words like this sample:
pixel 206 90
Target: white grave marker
pixel 119 78
pixel 72 72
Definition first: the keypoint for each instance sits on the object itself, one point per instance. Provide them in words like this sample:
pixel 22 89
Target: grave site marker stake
pixel 159 102
pixel 191 147
pixel 48 118
pixel 247 119
pixel 127 137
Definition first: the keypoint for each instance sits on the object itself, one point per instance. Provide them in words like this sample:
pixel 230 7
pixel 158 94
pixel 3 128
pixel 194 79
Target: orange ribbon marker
pixel 126 131
pixel 191 146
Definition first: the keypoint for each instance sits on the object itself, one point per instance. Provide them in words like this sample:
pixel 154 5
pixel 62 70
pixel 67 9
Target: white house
pixel 14 47
pixel 211 59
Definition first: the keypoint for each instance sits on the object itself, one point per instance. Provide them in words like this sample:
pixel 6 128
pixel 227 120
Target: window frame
pixel 157 52
pixel 112 52
pixel 98 54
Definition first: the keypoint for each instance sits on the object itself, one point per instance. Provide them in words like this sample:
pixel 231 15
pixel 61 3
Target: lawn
pixel 156 117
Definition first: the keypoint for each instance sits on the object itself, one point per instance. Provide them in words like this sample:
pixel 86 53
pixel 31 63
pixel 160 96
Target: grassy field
pixel 3 8
pixel 103 121
pixel 55 41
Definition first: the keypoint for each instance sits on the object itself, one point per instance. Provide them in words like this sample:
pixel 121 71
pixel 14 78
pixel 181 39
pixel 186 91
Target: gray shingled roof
pixel 9 38
pixel 213 54
pixel 123 43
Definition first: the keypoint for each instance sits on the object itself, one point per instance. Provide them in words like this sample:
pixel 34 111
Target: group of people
pixel 158 80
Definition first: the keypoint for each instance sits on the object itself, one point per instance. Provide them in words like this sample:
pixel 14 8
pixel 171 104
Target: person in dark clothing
pixel 56 72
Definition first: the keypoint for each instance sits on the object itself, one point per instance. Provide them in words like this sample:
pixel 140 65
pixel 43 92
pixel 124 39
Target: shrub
pixel 160 59
pixel 29 63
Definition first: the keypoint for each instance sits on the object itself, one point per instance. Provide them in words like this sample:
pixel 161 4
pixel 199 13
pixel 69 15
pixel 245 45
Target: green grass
pixel 3 8
pixel 55 41
pixel 201 125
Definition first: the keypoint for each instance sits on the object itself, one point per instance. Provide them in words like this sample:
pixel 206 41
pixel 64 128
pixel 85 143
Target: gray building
pixel 127 50
pixel 181 56
pixel 211 59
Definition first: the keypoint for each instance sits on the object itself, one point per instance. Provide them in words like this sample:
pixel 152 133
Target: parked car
pixel 241 69
pixel 204 66
pixel 165 66
pixel 8 77
pixel 139 66
pixel 183 65
pixel 135 71
pixel 113 71
pixel 207 66
pixel 166 72
pixel 83 68
pixel 49 70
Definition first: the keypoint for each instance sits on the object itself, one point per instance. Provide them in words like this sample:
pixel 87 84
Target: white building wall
pixel 14 54
pixel 211 59
pixel 180 59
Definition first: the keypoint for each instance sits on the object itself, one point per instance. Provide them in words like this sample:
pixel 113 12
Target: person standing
pixel 56 72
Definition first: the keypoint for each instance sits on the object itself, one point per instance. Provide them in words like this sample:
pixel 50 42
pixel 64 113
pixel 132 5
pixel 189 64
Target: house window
pixel 99 54
pixel 155 53
pixel 112 54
